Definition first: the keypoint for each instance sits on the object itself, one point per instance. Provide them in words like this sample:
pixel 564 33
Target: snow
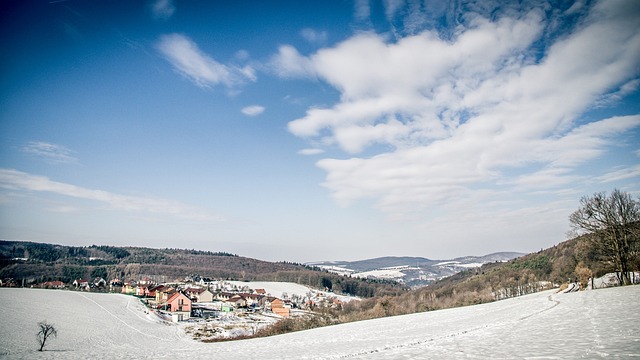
pixel 279 289
pixel 611 279
pixel 447 263
pixel 380 274
pixel 340 270
pixel 549 325
pixel 470 265
pixel 274 288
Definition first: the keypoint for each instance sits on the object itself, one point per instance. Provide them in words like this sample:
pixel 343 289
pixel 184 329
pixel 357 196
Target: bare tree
pixel 611 225
pixel 46 331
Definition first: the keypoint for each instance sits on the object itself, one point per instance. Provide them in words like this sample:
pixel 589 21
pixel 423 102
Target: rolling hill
pixel 30 262
pixel 412 271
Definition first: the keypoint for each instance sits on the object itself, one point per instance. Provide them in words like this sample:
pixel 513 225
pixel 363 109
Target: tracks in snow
pixel 553 304
pixel 118 318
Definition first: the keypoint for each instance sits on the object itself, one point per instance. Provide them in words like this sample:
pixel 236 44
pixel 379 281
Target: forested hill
pixel 38 262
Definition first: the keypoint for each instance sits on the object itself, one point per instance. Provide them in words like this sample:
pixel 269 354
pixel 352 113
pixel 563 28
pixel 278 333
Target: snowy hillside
pixel 413 271
pixel 585 324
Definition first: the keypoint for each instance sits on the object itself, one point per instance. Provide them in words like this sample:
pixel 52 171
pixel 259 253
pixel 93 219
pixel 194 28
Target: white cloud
pixel 444 116
pixel 289 63
pixel 16 180
pixel 50 152
pixel 253 110
pixel 162 9
pixel 313 36
pixel 312 151
pixel 204 71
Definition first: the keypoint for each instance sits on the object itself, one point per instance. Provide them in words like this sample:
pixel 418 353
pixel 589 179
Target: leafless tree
pixel 611 226
pixel 46 331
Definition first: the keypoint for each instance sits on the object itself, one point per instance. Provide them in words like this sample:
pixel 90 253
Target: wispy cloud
pixel 52 153
pixel 617 95
pixel 188 60
pixel 362 9
pixel 162 9
pixel 391 7
pixel 620 174
pixel 311 151
pixel 253 110
pixel 314 36
pixel 17 180
pixel 442 116
pixel 289 63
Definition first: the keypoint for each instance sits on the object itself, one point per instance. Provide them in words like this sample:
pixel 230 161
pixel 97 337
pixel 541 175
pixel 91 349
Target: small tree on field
pixel 46 331
pixel 611 225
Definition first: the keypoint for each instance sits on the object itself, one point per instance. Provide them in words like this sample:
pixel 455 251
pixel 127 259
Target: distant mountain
pixel 413 271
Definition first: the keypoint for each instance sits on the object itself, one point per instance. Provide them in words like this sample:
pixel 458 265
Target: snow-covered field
pixel 274 288
pixel 587 324
pixel 280 289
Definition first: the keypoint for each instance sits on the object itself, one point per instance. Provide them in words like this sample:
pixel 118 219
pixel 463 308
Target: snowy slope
pixel 544 325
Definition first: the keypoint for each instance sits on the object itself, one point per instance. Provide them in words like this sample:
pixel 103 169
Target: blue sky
pixel 307 130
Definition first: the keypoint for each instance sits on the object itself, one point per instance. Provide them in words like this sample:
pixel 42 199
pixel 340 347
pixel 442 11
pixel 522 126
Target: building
pixel 179 305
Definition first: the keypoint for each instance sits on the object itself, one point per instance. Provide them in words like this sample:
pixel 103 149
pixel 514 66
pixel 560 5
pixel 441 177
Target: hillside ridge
pixel 411 270
pixel 31 262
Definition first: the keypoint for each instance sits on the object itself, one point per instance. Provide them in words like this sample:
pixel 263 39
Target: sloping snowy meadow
pixel 587 324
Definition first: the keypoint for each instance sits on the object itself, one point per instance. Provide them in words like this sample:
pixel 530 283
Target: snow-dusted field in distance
pixel 274 288
pixel 587 324
pixel 278 289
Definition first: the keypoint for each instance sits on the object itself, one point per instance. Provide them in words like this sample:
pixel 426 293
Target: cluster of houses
pixel 182 301
pixel 198 297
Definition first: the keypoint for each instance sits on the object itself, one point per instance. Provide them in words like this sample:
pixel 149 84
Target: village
pixel 210 309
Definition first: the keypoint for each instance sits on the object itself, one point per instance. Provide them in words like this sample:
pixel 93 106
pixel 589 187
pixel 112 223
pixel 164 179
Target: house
pixel 99 282
pixel 261 291
pixel 266 302
pixel 199 294
pixel 81 284
pixel 129 288
pixel 179 305
pixel 192 292
pixel 278 308
pixel 224 296
pixel 162 295
pixel 153 290
pixel 205 296
pixel 238 301
pixel 142 290
pixel 252 300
